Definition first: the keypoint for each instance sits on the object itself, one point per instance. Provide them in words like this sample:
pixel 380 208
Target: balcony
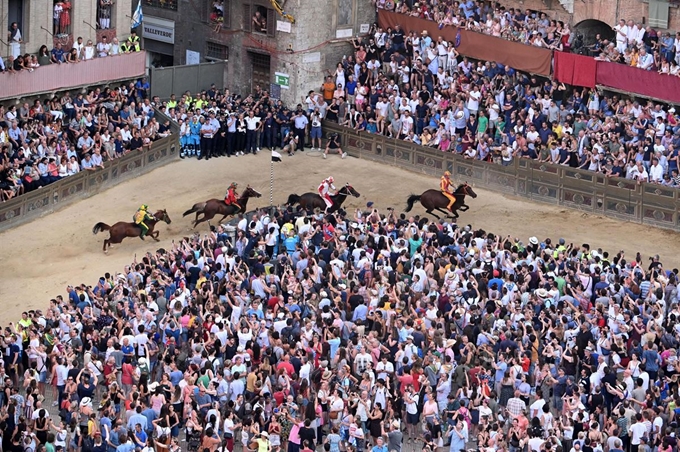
pixel 61 77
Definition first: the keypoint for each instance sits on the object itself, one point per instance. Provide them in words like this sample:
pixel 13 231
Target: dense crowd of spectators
pixel 352 332
pixel 215 123
pixel 44 141
pixel 80 52
pixel 409 85
pixel 632 43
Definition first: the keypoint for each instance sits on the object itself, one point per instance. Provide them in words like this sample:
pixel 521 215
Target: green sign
pixel 282 79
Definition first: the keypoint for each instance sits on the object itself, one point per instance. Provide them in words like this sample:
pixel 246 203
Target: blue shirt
pixel 136 419
pixel 651 359
pixel 500 372
pixel 335 345
pixel 360 312
pixel 127 447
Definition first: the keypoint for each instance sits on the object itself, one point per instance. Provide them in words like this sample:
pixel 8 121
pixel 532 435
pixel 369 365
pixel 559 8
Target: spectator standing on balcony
pixel 115 47
pixel 58 54
pixel 79 46
pixel 103 47
pixel 645 60
pixel 88 51
pixel 621 36
pixel 132 44
pixel 105 14
pixel 15 39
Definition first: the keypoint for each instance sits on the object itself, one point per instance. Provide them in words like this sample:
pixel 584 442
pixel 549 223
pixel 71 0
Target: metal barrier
pixel 179 79
pixel 583 190
pixel 86 183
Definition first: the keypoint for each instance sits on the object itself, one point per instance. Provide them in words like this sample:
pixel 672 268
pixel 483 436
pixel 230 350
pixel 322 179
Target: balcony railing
pixel 165 4
pixel 60 77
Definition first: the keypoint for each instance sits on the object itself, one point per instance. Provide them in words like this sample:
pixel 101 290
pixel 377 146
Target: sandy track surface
pixel 39 259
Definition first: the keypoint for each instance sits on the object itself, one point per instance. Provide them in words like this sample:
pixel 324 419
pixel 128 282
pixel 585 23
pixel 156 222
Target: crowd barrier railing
pixel 560 185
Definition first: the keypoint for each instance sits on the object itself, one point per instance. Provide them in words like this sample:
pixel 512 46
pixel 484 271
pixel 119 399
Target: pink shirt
pixel 295 434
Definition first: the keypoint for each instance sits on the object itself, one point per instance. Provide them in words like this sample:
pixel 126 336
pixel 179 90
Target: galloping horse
pixel 123 229
pixel 311 201
pixel 435 200
pixel 213 207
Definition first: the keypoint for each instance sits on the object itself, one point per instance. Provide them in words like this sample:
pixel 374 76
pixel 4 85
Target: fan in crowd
pixel 352 332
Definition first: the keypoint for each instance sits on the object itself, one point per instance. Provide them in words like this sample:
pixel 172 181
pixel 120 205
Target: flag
pixel 137 17
pixel 276 157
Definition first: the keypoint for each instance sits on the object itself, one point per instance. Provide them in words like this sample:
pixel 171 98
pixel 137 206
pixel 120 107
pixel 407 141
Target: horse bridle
pixel 346 190
pixel 465 190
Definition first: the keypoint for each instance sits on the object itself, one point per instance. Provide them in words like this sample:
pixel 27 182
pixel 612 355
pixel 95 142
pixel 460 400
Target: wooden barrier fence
pixel 578 189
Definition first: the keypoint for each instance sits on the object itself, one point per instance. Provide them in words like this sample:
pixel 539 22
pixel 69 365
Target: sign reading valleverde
pixel 158 29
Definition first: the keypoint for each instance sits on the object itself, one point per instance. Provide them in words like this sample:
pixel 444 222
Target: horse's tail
pixel 196 208
pixel 293 199
pixel 100 227
pixel 410 201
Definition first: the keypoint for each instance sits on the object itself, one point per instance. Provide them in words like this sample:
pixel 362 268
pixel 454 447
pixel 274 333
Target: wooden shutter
pixel 247 18
pixel 272 17
pixel 658 13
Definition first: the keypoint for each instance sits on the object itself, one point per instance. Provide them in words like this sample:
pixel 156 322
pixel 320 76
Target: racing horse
pixel 311 201
pixel 124 229
pixel 213 207
pixel 435 200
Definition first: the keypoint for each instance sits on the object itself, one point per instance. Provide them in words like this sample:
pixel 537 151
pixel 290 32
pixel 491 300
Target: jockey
pixel 446 187
pixel 140 217
pixel 324 191
pixel 231 197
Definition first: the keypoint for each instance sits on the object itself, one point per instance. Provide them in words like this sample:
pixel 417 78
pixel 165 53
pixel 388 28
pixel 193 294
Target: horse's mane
pixel 460 186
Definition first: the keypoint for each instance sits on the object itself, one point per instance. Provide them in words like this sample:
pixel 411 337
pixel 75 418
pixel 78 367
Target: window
pixel 219 14
pixel 259 19
pixel 215 51
pixel 165 4
pixel 15 13
pixel 62 19
pixel 105 14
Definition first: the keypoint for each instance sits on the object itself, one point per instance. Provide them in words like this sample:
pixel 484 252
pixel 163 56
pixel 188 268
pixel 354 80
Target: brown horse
pixel 213 207
pixel 311 201
pixel 435 200
pixel 123 229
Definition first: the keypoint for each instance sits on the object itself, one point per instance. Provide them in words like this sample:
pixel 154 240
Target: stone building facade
pixel 296 55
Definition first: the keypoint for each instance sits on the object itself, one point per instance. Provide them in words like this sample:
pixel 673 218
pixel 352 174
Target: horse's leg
pixel 106 243
pixel 464 207
pixel 445 212
pixel 429 211
pixel 154 235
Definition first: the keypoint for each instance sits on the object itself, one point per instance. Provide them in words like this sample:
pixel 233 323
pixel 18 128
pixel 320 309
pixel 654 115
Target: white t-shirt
pixel 637 431
pixel 252 122
pixel 473 100
pixel 412 408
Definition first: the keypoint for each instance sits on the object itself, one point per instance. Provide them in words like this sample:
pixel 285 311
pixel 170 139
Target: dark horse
pixel 435 200
pixel 123 229
pixel 311 201
pixel 213 207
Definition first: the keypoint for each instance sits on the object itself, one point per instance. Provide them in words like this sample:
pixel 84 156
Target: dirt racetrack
pixel 39 259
